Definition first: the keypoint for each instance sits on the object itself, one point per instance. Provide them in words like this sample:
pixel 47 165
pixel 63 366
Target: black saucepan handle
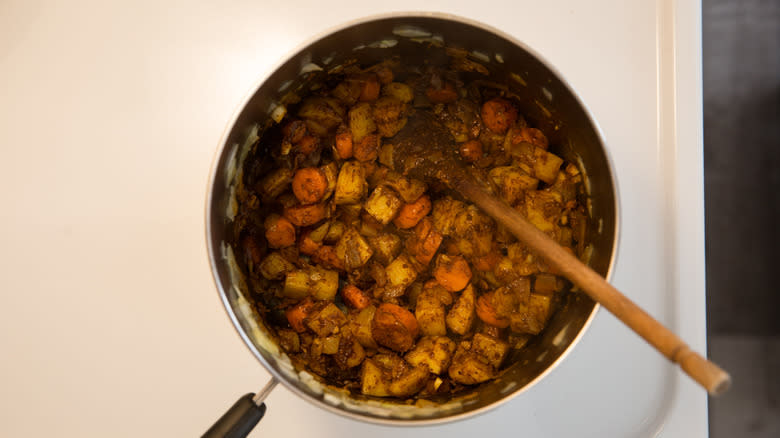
pixel 239 420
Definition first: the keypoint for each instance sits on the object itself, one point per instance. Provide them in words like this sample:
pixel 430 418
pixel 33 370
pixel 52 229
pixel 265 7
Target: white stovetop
pixel 110 113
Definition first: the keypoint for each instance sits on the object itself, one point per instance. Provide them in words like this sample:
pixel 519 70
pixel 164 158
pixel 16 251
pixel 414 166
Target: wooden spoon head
pixel 425 149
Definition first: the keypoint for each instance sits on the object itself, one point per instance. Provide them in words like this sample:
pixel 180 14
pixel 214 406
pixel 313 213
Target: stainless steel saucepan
pixel 549 102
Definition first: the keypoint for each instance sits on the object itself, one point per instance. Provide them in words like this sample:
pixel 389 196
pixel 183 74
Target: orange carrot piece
pixel 344 145
pixel 452 272
pixel 366 149
pixel 486 311
pixel 279 232
pixel 498 115
pixel 445 94
pixel 425 241
pixel 394 327
pixel 305 215
pixel 411 213
pixel 355 297
pixel 488 261
pixel 471 151
pixel 370 90
pixel 296 314
pixel 308 145
pixel 309 185
pixel 308 246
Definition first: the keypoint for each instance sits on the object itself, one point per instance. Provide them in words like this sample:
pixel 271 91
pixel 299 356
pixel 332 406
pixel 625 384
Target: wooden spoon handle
pixel 709 375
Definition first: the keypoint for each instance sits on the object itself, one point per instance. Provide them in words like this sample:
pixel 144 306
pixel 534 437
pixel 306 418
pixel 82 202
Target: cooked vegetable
pixel 394 327
pixel 353 250
pixel 305 215
pixel 386 247
pixel 344 145
pixel 309 185
pixel 498 115
pixel 361 121
pixel 424 242
pixel 461 317
pixel 351 184
pixel 435 352
pixel 274 266
pixel 325 318
pixel 355 297
pixel 411 213
pixel 383 204
pixel 430 310
pixel 365 307
pixel 321 284
pixel 401 273
pixel 296 315
pixel 453 273
pixel 471 150
pixel 468 368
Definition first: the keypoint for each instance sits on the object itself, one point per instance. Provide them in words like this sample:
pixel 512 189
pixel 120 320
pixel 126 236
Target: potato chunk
pixel 445 211
pixel 409 189
pixel 275 183
pixel 325 318
pixel 493 350
pixel 361 121
pixel 531 317
pixel 468 368
pixel 543 209
pixel 274 266
pixel 350 184
pixel 353 250
pixel 388 375
pixel 361 327
pixel 386 247
pixel 430 310
pixel 512 183
pixel 321 284
pixel 461 316
pixel 383 204
pixel 435 352
pixel 400 91
pixel 401 272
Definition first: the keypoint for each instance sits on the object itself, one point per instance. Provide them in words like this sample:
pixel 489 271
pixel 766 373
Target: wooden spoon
pixel 425 149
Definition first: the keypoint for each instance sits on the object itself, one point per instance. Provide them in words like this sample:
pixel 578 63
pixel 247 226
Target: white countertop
pixel 110 113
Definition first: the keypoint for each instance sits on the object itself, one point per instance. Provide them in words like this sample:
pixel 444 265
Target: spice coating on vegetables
pixel 384 283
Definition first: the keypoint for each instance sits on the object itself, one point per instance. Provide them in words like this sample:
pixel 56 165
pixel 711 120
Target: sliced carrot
pixel 308 246
pixel 394 327
pixel 305 215
pixel 370 90
pixel 279 232
pixel 326 255
pixel 308 144
pixel 424 242
pixel 296 314
pixel 486 311
pixel 452 272
pixel 471 151
pixel 498 115
pixel 355 297
pixel 445 94
pixel 366 149
pixel 309 185
pixel 411 213
pixel 488 261
pixel 344 145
